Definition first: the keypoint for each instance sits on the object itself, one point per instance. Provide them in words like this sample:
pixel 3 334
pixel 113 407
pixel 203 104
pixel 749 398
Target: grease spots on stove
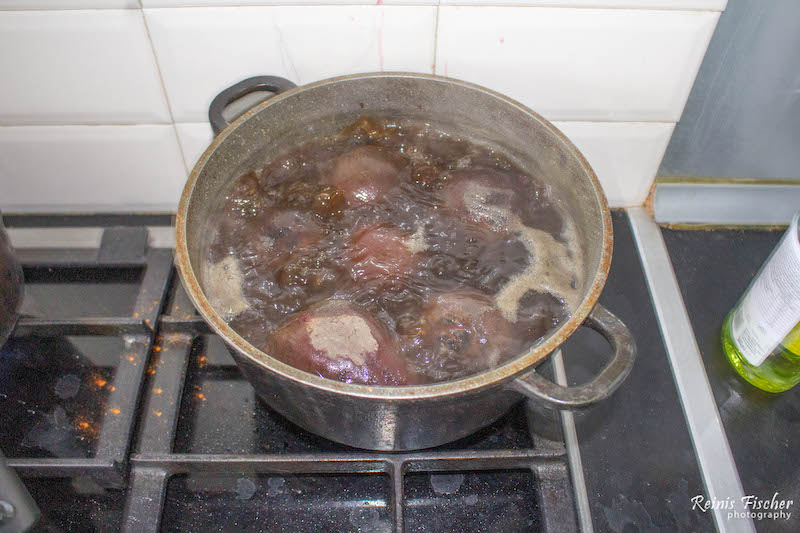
pixel 625 512
pixel 368 519
pixel 677 505
pixel 446 483
pixel 67 386
pixel 245 488
pixel 55 434
pixel 276 486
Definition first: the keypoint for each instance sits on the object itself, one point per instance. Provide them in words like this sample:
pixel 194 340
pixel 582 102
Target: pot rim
pixel 495 377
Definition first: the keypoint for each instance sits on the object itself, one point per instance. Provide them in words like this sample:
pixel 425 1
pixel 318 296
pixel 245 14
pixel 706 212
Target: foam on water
pixel 461 217
pixel 552 269
pixel 222 282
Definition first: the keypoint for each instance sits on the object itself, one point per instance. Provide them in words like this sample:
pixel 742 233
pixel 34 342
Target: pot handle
pixel 271 84
pixel 623 346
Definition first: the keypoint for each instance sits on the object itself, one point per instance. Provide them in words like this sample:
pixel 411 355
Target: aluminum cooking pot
pixel 408 417
pixel 11 287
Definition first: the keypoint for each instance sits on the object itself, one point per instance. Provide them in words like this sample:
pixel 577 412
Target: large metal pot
pixel 410 417
pixel 10 285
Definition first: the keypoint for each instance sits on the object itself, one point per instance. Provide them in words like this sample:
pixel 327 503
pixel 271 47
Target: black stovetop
pixel 122 411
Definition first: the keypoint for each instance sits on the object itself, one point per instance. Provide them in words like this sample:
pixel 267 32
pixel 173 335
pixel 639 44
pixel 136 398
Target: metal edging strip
pixel 582 506
pixel 82 237
pixel 722 203
pixel 717 467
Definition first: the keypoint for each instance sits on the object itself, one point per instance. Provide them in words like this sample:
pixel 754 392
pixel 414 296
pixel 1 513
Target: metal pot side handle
pixel 18 510
pixel 272 84
pixel 623 347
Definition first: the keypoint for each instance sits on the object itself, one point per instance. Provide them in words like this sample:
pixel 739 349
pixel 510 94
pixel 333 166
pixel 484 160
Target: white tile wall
pixel 204 50
pixel 78 67
pixel 578 64
pixel 90 168
pixel 714 5
pixel 194 138
pixel 624 155
pixel 69 4
pixel 614 77
pixel 207 3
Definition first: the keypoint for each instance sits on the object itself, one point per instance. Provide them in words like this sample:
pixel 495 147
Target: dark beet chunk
pixel 540 313
pixel 266 243
pixel 329 202
pixel 366 174
pixel 498 262
pixel 409 233
pixel 446 150
pixel 309 269
pixel 292 229
pixel 338 340
pixel 461 333
pixel 380 252
pixel 298 164
pixel 485 197
pixel 495 198
pixel 425 174
pixel 244 202
pixel 364 129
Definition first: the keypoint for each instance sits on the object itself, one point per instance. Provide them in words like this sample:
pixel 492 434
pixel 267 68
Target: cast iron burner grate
pixel 171 436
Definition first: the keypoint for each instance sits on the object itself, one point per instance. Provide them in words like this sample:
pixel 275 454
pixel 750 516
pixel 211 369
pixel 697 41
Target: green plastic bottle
pixel 761 335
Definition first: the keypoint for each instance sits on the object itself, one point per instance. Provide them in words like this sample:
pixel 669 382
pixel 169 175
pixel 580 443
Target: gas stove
pixel 121 410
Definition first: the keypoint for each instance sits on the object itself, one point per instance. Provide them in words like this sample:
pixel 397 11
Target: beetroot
pixel 338 340
pixel 381 253
pixel 461 333
pixel 391 252
pixel 484 197
pixel 366 174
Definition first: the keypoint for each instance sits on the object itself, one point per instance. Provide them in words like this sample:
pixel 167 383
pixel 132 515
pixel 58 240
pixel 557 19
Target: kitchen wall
pixel 742 118
pixel 103 103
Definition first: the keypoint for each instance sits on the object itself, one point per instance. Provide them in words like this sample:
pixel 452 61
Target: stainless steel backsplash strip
pixel 726 203
pixel 720 476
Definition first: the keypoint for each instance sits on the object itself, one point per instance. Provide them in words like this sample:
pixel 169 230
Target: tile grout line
pixel 576 472
pixel 586 7
pixel 163 88
pixel 312 3
pixel 711 447
pixel 436 36
pixel 195 121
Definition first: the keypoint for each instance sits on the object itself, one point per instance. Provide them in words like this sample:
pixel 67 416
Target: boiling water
pixel 392 253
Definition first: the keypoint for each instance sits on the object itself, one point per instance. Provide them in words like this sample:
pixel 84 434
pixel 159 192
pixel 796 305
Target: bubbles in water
pixel 396 218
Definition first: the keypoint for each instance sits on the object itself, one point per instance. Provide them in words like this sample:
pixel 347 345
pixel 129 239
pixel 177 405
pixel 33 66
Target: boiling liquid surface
pixel 445 256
